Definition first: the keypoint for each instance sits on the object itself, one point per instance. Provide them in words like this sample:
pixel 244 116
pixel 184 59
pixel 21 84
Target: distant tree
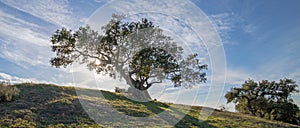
pixel 266 99
pixel 119 90
pixel 138 52
pixel 222 108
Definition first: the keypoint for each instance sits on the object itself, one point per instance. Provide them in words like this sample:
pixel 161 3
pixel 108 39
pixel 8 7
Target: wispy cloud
pixel 54 11
pixel 23 42
pixel 13 79
pixel 24 54
pixel 24 38
pixel 20 30
pixel 226 23
pixel 17 21
pixel 20 44
pixel 26 42
pixel 249 28
pixel 223 21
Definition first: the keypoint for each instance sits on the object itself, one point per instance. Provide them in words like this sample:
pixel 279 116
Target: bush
pixel 119 90
pixel 8 92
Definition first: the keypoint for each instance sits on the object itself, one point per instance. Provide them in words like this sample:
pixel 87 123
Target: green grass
pixel 42 105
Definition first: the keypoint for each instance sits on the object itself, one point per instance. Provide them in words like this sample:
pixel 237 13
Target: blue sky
pixel 260 38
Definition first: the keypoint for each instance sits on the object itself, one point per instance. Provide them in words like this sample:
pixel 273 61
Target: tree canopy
pixel 136 51
pixel 266 99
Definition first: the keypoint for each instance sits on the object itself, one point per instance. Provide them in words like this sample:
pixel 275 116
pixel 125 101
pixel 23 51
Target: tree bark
pixel 250 108
pixel 137 90
pixel 139 95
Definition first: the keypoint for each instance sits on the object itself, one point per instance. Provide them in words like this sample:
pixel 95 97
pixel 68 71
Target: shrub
pixel 222 108
pixel 119 90
pixel 8 92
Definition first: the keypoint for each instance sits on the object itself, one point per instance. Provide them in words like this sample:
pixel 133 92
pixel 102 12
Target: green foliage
pixel 8 92
pixel 266 99
pixel 137 51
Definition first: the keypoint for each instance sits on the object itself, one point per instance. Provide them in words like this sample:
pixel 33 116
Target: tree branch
pixel 108 61
pixel 148 85
pixel 156 82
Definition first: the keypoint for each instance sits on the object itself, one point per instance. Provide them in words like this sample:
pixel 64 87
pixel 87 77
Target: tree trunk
pixel 137 90
pixel 250 108
pixel 261 114
pixel 139 95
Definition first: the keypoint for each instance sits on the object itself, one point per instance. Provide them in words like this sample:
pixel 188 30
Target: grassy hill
pixel 41 105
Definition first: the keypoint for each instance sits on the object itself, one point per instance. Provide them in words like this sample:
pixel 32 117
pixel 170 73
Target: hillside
pixel 41 105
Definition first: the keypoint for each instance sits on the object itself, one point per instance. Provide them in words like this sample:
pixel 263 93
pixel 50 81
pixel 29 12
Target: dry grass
pixel 42 105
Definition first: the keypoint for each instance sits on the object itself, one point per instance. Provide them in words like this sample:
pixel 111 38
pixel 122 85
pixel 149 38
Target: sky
pixel 258 39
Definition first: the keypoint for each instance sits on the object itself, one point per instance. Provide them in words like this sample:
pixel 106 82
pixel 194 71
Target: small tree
pixel 266 99
pixel 138 52
pixel 8 92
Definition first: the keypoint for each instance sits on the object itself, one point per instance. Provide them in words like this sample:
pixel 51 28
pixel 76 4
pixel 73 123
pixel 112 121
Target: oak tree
pixel 266 99
pixel 138 52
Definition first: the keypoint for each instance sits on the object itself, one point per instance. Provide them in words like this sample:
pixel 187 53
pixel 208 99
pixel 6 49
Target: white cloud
pixel 21 30
pixel 226 23
pixel 24 54
pixel 23 41
pixel 17 21
pixel 222 21
pixel 26 41
pixel 54 11
pixel 15 79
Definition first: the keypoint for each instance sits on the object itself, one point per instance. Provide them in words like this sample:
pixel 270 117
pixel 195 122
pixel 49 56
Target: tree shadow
pixel 65 113
pixel 153 106
pixel 189 121
pixel 159 108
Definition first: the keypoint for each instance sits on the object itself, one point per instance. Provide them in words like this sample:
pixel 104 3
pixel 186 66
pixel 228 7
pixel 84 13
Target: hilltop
pixel 45 105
